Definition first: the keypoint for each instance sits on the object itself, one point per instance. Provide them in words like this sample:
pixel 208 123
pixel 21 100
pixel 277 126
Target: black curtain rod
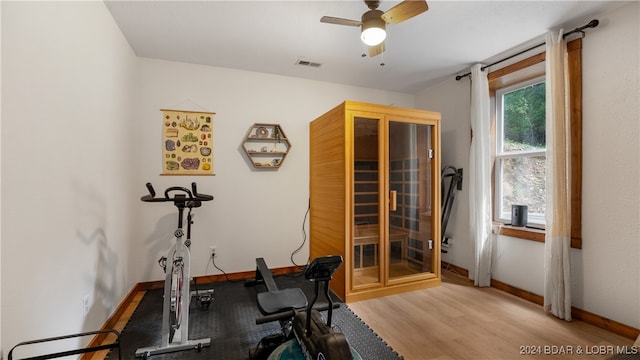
pixel 593 23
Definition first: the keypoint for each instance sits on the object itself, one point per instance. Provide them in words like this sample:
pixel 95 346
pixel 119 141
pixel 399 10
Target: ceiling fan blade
pixel 376 50
pixel 340 21
pixel 404 11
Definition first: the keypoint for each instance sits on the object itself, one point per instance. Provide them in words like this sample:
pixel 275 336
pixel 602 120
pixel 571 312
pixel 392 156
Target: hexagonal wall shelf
pixel 266 145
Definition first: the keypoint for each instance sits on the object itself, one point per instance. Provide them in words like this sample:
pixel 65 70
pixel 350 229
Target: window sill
pixel 521 232
pixel 530 234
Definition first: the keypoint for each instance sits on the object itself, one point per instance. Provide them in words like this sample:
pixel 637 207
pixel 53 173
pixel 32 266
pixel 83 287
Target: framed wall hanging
pixel 187 146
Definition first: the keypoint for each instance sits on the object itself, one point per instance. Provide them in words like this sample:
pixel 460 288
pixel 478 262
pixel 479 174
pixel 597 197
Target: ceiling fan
pixel 374 21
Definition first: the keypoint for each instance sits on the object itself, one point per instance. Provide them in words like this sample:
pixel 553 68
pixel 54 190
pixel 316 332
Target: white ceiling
pixel 270 36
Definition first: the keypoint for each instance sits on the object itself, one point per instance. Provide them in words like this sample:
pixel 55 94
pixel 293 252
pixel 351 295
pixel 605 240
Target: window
pixel 520 149
pixel 527 74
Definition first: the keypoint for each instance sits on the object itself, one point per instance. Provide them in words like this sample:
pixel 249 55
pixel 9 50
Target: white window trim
pixel 500 214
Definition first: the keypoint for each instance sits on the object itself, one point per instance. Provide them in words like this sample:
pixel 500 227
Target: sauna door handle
pixel 393 200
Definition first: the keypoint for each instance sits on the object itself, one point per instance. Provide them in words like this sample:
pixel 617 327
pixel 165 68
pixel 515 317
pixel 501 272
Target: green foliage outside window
pixel 524 118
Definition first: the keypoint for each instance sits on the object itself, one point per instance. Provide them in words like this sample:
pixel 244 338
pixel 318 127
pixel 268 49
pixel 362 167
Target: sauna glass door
pixel 366 202
pixel 409 242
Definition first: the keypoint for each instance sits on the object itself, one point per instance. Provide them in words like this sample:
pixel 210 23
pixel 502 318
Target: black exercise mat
pixel 230 323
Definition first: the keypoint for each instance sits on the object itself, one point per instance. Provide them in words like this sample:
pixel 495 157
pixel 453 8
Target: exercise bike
pixel 313 338
pixel 176 265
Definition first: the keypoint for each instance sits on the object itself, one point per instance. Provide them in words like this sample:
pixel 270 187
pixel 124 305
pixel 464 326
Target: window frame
pixel 500 214
pixel 527 69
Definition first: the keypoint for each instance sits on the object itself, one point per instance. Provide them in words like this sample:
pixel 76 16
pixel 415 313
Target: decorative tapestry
pixel 187 142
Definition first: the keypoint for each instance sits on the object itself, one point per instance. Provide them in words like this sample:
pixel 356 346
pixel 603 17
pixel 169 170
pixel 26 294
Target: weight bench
pixel 274 304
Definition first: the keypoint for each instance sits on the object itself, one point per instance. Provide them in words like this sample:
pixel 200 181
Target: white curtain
pixel 480 176
pixel 557 285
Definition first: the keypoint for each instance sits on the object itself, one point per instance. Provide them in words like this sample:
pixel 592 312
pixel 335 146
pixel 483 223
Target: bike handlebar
pixel 151 191
pixel 192 194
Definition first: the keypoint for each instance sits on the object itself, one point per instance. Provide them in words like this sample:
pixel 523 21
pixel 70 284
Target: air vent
pixel 308 63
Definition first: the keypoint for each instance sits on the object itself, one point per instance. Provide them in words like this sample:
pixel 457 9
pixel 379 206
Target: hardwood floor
pixel 459 321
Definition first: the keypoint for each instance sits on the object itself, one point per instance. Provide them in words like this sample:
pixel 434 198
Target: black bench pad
pixel 272 302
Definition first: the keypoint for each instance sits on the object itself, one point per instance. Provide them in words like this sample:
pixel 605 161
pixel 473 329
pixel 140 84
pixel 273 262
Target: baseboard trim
pixel 578 314
pixel 604 323
pixel 128 305
pixel 454 269
pixel 117 322
pixel 524 294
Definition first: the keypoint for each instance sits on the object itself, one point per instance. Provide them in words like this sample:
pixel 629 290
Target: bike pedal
pixel 204 303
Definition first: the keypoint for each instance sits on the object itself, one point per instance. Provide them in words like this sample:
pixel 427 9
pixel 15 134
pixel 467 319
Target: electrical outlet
pixel 85 306
pixel 212 251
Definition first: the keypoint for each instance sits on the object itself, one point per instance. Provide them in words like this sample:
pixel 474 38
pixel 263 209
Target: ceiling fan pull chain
pixel 382 54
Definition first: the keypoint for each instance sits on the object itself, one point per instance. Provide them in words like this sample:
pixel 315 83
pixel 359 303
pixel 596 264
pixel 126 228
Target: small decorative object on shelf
pixel 266 145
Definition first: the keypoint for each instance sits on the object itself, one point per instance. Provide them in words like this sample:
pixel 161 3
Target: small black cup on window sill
pixel 519 215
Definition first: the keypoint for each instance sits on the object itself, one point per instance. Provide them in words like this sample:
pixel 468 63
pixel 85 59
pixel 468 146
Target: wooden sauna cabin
pixel 375 197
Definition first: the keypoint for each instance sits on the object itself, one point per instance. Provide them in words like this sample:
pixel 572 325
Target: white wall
pixel 605 273
pixel 68 77
pixel 256 212
pixel 81 134
pixel 610 259
pixel 452 99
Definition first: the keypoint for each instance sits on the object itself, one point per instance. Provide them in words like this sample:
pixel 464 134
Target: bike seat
pixel 273 302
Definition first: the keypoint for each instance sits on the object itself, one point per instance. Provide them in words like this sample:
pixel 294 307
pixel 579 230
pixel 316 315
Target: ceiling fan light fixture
pixel 373 28
pixel 373 36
